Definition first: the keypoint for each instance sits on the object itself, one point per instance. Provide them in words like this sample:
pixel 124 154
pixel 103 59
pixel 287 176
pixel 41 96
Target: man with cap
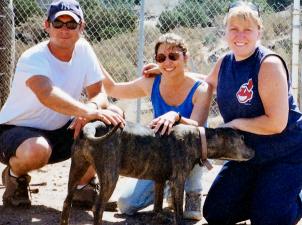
pixel 43 114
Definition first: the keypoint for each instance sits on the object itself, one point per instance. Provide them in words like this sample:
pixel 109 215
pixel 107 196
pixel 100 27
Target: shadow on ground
pixel 150 218
pixel 40 215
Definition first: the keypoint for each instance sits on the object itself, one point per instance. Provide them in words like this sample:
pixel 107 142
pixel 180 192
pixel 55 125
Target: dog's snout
pixel 250 153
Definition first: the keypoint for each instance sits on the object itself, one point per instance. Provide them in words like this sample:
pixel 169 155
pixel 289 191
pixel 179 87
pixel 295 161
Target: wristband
pixel 179 118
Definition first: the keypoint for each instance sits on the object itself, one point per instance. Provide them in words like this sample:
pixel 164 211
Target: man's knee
pixel 34 148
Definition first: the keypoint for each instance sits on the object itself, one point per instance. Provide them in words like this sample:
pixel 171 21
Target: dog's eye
pixel 242 137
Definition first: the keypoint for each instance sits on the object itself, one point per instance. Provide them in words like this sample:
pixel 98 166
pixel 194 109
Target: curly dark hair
pixel 172 39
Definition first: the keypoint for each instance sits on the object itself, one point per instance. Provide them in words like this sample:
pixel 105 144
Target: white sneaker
pixel 193 206
pixel 169 201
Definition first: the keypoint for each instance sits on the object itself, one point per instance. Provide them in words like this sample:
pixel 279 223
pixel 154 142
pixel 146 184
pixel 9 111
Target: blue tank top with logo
pixel 160 107
pixel 238 97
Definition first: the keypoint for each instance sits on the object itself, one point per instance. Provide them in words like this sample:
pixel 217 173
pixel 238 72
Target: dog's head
pixel 227 144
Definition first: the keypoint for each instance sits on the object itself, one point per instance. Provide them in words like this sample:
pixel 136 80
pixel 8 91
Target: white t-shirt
pixel 23 108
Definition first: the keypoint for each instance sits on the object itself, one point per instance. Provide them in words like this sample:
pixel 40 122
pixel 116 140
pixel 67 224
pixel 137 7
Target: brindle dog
pixel 136 151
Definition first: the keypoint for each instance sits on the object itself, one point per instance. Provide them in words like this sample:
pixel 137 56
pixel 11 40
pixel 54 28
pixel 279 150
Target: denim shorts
pixel 11 137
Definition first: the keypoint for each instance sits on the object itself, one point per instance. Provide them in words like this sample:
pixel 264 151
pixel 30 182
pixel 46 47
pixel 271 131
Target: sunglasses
pixel 160 58
pixel 251 5
pixel 71 25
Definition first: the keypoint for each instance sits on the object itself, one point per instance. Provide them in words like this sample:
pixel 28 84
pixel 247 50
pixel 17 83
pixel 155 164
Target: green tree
pixel 105 22
pixel 191 13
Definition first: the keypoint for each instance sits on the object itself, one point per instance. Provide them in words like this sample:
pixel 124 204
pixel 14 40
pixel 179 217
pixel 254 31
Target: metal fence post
pixel 7 48
pixel 295 49
pixel 140 52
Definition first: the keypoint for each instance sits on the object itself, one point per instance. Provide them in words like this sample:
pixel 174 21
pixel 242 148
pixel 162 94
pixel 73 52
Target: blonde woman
pixel 176 98
pixel 253 95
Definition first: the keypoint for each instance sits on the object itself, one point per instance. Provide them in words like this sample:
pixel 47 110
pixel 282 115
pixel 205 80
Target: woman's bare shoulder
pixel 195 76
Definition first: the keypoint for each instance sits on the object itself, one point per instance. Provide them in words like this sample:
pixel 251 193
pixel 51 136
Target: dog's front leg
pixel 159 196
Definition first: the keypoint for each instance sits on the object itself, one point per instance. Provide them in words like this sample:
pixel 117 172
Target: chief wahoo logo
pixel 245 92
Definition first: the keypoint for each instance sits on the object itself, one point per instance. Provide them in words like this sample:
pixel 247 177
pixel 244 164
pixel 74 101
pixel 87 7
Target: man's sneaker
pixel 193 206
pixel 84 198
pixel 16 189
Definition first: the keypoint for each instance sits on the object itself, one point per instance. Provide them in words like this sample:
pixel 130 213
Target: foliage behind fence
pixel 7 54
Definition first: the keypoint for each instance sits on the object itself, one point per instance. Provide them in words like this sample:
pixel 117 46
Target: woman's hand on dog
pixel 164 123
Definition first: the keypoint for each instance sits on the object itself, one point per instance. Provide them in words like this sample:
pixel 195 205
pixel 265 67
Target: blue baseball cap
pixel 65 7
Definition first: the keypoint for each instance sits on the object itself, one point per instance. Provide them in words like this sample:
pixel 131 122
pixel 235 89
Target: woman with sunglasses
pixel 252 85
pixel 176 98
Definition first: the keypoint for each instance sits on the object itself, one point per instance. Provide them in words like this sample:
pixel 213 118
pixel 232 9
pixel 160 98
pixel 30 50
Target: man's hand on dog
pixel 105 115
pixel 110 117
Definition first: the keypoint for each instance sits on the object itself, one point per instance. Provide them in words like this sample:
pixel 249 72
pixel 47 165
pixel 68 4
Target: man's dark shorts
pixel 12 136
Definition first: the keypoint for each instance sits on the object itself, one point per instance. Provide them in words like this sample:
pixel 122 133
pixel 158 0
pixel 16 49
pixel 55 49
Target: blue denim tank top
pixel 238 97
pixel 160 107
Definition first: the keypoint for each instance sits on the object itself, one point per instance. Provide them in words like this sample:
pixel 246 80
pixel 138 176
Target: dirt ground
pixel 47 203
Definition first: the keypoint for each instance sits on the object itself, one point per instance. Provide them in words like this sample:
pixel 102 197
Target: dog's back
pixel 140 153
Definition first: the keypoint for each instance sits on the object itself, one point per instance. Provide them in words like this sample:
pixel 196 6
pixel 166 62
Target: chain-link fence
pixel 112 27
pixel 7 54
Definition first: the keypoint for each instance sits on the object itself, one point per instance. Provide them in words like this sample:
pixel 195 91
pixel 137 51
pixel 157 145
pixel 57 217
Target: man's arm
pixel 57 100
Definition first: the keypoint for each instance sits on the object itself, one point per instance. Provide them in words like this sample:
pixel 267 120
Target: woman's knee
pixel 125 206
pixel 214 216
pixel 224 209
pixel 277 215
pixel 138 195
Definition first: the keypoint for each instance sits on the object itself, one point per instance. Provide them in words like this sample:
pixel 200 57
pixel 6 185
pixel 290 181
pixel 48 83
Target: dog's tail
pixel 89 131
